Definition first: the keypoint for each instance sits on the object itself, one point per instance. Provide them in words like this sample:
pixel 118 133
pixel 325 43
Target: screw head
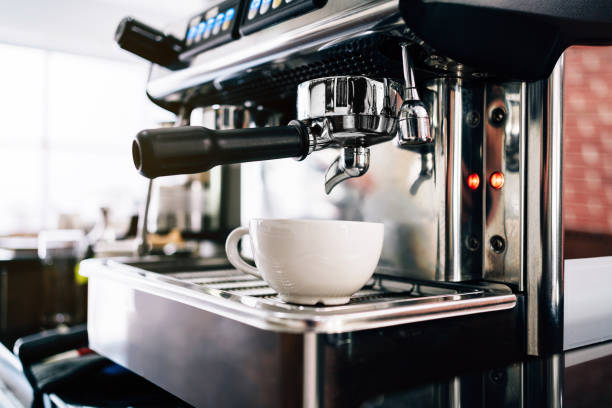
pixel 498 115
pixel 497 376
pixel 498 244
pixel 472 243
pixel 472 118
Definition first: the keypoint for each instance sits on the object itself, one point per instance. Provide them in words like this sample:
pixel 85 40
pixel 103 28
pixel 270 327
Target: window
pixel 66 126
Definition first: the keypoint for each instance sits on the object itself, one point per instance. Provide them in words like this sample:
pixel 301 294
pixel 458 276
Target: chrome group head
pixel 351 113
pixel 355 112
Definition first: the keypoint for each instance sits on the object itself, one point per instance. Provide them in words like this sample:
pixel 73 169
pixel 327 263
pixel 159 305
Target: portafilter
pixel 346 112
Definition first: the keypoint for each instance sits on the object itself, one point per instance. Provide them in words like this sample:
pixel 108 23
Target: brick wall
pixel 587 142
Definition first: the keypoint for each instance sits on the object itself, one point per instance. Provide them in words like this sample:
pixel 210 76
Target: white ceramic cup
pixel 307 261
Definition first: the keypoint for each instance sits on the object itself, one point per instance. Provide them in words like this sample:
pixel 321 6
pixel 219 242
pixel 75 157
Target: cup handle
pixel 231 249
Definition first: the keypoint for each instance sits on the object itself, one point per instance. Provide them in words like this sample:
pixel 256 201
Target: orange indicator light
pixel 497 180
pixel 473 181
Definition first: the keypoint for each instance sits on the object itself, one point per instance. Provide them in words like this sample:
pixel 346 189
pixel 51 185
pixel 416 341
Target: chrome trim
pixel 543 260
pixel 503 133
pixel 442 301
pixel 523 184
pixel 450 101
pixel 556 368
pixel 411 92
pixel 454 393
pixel 350 112
pixel 357 110
pixel 454 181
pixel 312 381
pixel 414 126
pixel 338 18
pixel 352 162
pixel 533 245
pixel 319 136
pixel 455 106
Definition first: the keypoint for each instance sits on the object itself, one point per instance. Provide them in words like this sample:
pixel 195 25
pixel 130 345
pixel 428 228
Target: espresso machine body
pixel 472 265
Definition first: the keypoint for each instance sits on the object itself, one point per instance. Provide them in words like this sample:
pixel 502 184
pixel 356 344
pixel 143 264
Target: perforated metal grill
pixel 272 84
pixel 238 283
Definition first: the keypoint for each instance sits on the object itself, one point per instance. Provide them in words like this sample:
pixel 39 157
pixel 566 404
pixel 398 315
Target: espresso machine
pixel 441 119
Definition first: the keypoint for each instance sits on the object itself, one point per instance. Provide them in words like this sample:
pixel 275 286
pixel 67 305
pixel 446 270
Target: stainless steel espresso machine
pixel 442 119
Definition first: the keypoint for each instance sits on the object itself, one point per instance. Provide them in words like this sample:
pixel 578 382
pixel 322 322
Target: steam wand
pixel 413 125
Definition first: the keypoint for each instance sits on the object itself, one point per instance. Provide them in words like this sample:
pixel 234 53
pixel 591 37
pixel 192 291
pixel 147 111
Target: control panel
pixel 214 27
pixel 232 18
pixel 259 14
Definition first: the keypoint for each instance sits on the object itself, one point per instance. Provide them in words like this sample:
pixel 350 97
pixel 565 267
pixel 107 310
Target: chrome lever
pixel 352 162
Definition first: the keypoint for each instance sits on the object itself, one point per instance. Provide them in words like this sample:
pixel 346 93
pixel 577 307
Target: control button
pixel 253 8
pixel 265 6
pixel 276 3
pixel 218 23
pixel 210 23
pixel 200 31
pixel 229 16
pixel 191 34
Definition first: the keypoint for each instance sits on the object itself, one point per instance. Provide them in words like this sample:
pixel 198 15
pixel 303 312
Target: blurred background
pixel 71 103
pixel 587 151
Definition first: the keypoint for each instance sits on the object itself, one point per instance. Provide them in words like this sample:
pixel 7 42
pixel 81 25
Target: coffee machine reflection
pixel 187 211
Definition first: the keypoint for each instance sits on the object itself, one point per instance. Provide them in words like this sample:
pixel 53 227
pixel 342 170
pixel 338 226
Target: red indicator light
pixel 473 181
pixel 497 180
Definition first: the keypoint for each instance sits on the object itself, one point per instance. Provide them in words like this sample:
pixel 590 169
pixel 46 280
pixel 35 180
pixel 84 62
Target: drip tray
pixel 386 300
pixel 380 288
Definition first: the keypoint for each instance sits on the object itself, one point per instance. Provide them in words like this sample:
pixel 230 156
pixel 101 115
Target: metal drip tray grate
pixel 386 300
pixel 238 283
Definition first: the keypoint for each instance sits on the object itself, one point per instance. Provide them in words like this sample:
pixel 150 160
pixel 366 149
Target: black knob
pixel 194 149
pixel 149 43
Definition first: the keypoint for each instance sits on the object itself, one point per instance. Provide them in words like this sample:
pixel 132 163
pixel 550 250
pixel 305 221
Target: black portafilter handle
pixel 149 43
pixel 194 149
